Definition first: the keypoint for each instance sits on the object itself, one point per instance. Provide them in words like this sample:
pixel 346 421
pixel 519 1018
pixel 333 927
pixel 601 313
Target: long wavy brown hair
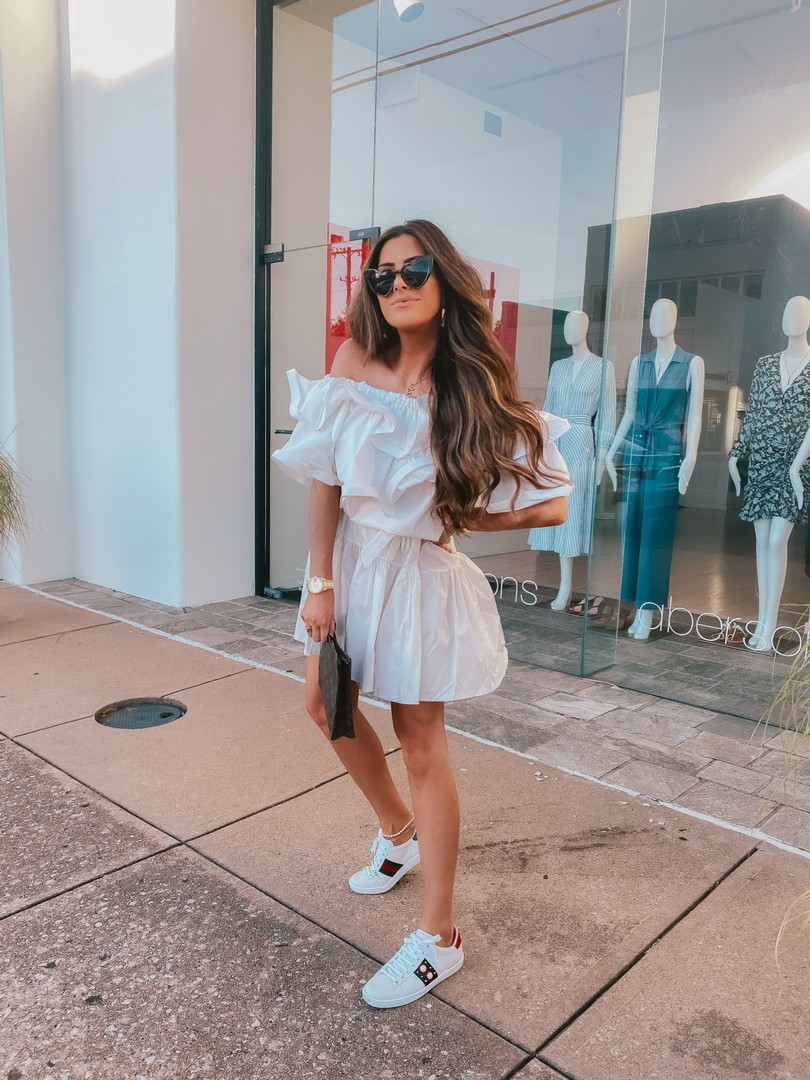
pixel 478 418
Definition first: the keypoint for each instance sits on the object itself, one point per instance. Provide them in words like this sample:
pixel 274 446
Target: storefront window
pixel 631 181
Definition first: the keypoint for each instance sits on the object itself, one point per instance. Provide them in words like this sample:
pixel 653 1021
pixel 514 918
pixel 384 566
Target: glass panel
pixel 319 193
pixel 501 125
pixel 731 283
pixel 730 210
pixel 752 286
pixel 688 299
pixel 628 244
pixel 651 294
pixel 669 291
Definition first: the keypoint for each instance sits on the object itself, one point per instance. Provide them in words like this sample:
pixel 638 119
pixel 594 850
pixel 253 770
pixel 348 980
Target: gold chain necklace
pixel 411 391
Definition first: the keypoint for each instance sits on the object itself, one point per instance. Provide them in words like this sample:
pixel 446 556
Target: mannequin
pixel 664 405
pixel 577 391
pixel 775 437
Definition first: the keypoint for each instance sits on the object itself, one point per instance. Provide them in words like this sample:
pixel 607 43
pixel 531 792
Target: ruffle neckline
pixel 379 393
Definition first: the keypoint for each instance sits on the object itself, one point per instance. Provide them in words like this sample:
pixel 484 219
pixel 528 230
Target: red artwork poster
pixel 345 260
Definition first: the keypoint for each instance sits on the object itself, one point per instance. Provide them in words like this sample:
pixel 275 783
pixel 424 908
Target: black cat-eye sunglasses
pixel 414 273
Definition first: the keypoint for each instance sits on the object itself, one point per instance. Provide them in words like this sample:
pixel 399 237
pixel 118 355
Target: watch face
pixel 315 584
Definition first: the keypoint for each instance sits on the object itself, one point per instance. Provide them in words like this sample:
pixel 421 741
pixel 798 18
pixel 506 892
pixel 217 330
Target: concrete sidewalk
pixel 170 909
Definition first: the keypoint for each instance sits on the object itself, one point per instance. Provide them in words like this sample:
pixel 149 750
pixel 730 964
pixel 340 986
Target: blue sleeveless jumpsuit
pixel 653 453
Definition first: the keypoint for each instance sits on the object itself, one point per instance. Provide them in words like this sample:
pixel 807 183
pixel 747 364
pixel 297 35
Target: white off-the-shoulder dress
pixel 419 622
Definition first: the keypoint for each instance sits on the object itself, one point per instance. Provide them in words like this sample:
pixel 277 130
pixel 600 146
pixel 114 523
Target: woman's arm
pixel 795 469
pixel 694 420
pixel 318 611
pixel 551 512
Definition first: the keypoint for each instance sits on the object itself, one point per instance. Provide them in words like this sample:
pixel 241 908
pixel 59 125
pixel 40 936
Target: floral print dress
pixel 772 431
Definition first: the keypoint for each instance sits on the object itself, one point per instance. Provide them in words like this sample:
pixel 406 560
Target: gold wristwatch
pixel 319 584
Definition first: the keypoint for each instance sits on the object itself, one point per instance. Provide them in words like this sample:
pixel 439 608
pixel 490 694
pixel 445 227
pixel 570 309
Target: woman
pixel 417 434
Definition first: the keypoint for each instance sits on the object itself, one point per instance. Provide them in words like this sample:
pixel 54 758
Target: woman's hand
pixel 685 473
pixel 551 512
pixel 734 473
pixel 318 614
pixel 797 485
pixel 610 466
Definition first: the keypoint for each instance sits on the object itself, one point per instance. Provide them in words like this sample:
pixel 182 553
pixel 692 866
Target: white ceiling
pixel 559 65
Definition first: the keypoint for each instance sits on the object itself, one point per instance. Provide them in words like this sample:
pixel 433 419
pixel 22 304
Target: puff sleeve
pixel 501 499
pixel 309 453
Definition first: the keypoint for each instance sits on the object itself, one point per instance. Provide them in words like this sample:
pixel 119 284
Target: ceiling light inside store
pixel 408 10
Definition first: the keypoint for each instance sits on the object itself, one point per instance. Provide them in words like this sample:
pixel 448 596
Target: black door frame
pixel 264 145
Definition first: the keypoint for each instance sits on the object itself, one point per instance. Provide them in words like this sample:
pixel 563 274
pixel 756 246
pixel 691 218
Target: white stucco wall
pixel 122 224
pixel 33 352
pixel 215 105
pixel 126 290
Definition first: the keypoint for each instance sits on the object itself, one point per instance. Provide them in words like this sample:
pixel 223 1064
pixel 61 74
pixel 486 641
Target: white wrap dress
pixel 420 623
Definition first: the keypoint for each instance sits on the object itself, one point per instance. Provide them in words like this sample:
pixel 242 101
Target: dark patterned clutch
pixel 334 679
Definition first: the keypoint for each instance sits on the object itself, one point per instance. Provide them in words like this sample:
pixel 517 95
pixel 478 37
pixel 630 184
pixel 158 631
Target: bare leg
pixel 563 597
pixel 420 730
pixel 363 757
pixel 760 640
pixel 776 568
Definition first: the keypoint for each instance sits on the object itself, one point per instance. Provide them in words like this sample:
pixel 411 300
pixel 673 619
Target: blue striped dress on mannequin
pixel 577 391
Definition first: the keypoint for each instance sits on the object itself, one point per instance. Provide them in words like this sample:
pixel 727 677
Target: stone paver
pixel 578 751
pixel 717 746
pixel 789 791
pixel 747 780
pixel 676 710
pixel 653 726
pixel 57 834
pixel 790 825
pixel 575 705
pixel 522 735
pixel 672 757
pixel 726 804
pixel 173 968
pixel 699 1004
pixel 615 695
pixel 786 766
pixel 653 780
pixel 797 743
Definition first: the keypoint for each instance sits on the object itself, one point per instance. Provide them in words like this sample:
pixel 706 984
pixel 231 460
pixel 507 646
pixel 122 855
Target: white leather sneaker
pixel 389 864
pixel 413 970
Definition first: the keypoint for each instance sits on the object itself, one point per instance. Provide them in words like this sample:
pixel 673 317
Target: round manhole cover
pixel 140 712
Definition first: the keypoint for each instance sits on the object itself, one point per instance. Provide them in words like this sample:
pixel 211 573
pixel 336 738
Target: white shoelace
pixel 406 959
pixel 379 850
